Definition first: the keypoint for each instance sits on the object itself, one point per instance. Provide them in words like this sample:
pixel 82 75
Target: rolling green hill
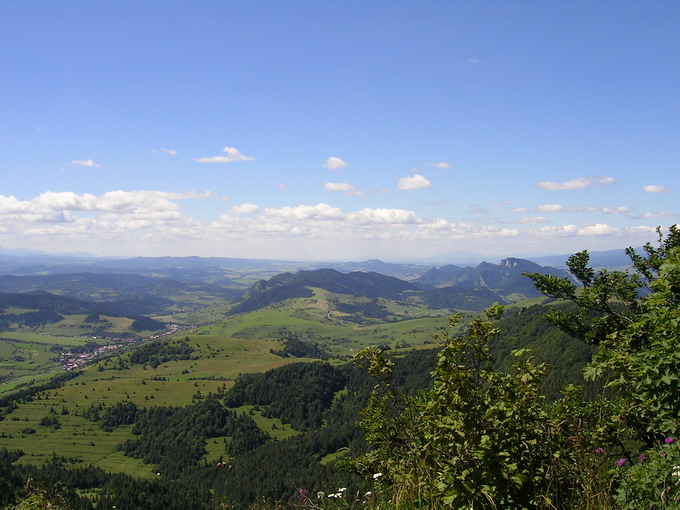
pixel 367 296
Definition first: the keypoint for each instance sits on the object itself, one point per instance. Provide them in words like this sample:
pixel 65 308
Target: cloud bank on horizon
pixel 150 221
pixel 347 142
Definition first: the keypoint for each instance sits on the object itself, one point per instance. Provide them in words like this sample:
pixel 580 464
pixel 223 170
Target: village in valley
pixel 73 360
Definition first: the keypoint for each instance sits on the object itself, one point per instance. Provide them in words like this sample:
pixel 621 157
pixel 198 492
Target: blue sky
pixel 337 130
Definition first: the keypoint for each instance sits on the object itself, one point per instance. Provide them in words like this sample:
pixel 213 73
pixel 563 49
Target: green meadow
pixel 217 363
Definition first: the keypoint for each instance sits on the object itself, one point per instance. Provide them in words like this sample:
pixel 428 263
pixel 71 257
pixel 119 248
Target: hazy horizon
pixel 462 258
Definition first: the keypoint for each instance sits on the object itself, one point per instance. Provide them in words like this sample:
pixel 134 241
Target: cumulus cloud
pixel 598 229
pixel 653 188
pixel 115 202
pixel 658 214
pixel 616 210
pixel 532 219
pixel 245 208
pixel 580 183
pixel 416 181
pixel 558 208
pixel 441 164
pixel 546 233
pixel 548 208
pixel 170 152
pixel 342 187
pixel 384 216
pixel 117 217
pixel 335 163
pixel 306 212
pixel 86 162
pixel 130 222
pixel 231 154
pixel 554 231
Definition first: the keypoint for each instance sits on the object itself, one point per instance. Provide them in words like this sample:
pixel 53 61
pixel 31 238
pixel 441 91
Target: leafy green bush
pixel 485 438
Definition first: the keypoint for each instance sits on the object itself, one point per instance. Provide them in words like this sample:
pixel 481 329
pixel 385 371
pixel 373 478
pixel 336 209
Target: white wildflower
pixel 377 475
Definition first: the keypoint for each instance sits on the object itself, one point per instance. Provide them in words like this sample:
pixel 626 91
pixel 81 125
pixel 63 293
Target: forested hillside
pixel 449 287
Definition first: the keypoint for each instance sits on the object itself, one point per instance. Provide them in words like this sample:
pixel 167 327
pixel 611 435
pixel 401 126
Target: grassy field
pixel 176 383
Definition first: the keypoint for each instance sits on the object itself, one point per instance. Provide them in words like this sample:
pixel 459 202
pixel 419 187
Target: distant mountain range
pixel 505 278
pixel 239 273
pixel 111 286
pixel 448 287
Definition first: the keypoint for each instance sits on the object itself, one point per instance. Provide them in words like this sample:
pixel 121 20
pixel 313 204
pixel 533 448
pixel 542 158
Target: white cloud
pixel 232 154
pixel 120 218
pixel 441 164
pixel 170 152
pixel 342 187
pixel 502 203
pixel 546 208
pixel 152 222
pixel 519 210
pixel 245 208
pixel 533 219
pixel 598 229
pixel 87 162
pixel 580 183
pixel 554 231
pixel 652 188
pixel 305 212
pixel 334 163
pixel 384 216
pixel 550 208
pixel 658 214
pixel 595 230
pixel 616 210
pixel 416 181
pixel 189 195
